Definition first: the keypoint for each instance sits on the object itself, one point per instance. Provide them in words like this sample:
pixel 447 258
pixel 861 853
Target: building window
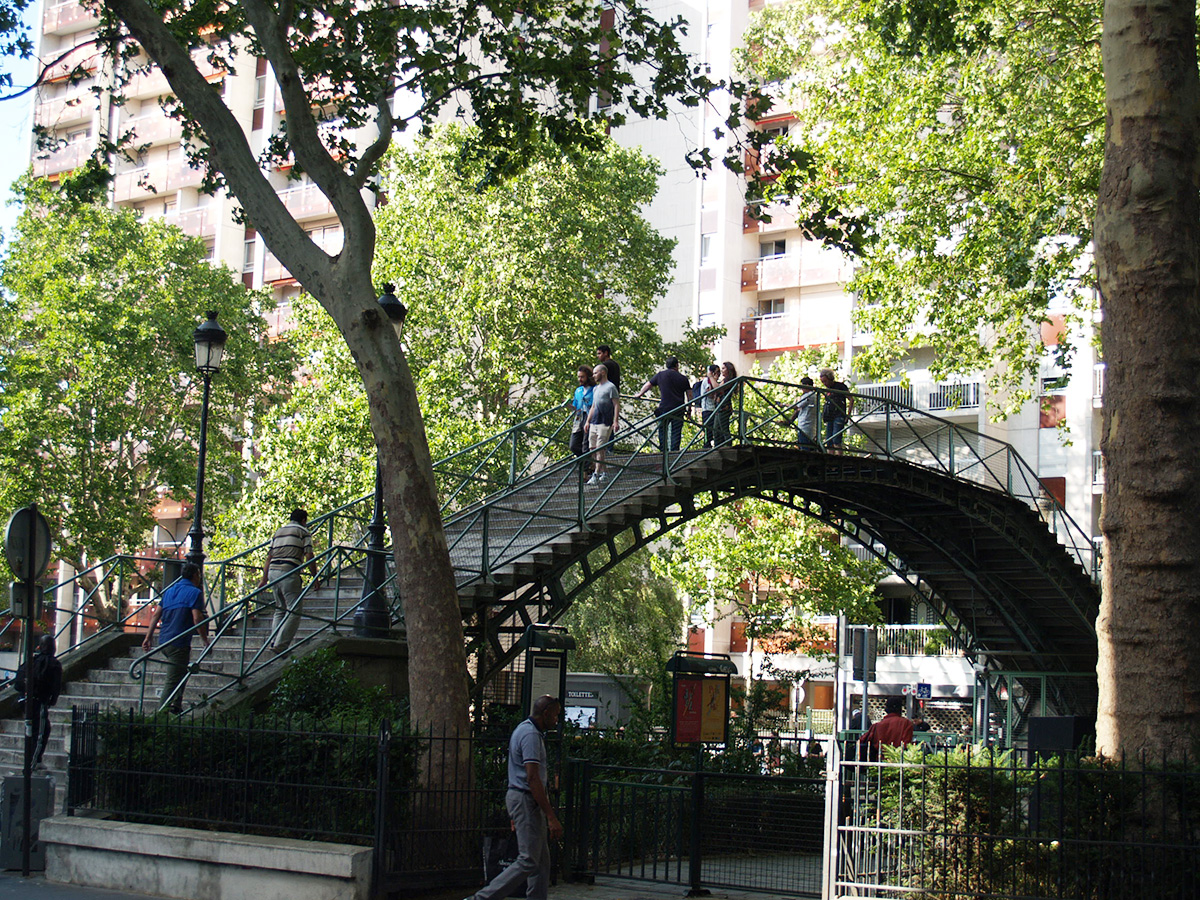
pixel 1053 411
pixel 769 249
pixel 772 307
pixel 250 250
pixel 706 242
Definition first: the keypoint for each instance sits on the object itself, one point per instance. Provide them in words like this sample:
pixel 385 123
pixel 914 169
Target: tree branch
pixel 228 148
pixel 303 136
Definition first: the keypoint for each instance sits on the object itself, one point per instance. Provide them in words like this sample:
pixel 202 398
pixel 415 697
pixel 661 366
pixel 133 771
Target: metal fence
pixel 716 829
pixel 255 776
pixel 980 823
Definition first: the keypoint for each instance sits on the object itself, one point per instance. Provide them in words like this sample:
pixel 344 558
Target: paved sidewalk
pixel 616 889
pixel 36 887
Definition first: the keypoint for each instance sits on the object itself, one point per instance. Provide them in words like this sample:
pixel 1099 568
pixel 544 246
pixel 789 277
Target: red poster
pixel 689 709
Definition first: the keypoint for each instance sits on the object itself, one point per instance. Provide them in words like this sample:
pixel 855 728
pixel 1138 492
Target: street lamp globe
pixel 395 310
pixel 210 339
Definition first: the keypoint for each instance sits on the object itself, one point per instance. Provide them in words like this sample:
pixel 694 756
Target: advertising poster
pixel 546 677
pixel 689 703
pixel 701 710
pixel 714 714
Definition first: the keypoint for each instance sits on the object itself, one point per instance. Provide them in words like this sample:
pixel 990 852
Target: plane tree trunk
pixel 1148 255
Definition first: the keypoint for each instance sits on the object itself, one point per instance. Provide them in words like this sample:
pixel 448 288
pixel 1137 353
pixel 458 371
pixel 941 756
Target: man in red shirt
pixel 892 730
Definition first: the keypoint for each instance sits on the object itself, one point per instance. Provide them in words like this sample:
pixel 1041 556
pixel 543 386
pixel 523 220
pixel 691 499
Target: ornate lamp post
pixel 372 618
pixel 210 347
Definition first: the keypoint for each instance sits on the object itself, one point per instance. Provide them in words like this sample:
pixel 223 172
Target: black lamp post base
pixel 371 621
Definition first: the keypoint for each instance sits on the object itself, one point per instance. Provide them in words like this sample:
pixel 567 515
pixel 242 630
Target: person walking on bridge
pixel 291 547
pixel 674 390
pixel 529 806
pixel 603 419
pixel 839 406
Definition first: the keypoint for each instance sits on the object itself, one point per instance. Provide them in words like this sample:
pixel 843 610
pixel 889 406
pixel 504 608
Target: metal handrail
pixel 332 564
pixel 755 409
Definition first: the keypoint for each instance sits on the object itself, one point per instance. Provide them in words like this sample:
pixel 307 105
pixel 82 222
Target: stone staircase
pixel 109 686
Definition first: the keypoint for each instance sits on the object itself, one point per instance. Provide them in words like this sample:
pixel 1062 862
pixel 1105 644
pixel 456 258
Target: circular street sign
pixel 27 543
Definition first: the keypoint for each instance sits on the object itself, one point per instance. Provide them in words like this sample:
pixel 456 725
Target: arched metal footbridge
pixel 957 514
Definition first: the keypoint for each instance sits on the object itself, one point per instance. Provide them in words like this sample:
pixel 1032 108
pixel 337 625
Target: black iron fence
pixel 255 776
pixel 424 803
pixel 760 832
pixel 989 823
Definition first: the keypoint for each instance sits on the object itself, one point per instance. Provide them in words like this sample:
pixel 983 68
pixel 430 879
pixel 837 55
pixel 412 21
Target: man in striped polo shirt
pixel 291 547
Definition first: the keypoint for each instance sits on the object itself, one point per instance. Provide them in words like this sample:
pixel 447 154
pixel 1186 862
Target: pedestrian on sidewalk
pixel 181 611
pixel 529 807
pixel 45 684
pixel 291 547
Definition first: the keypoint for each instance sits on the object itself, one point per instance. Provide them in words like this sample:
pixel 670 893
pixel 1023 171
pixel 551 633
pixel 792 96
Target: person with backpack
pixel 44 686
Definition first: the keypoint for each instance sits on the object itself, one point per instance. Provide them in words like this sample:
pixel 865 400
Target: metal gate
pixel 711 829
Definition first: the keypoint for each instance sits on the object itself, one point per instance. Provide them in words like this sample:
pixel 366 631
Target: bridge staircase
pixel 102 678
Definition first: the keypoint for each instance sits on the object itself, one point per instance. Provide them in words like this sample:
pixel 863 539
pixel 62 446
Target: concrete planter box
pixel 201 865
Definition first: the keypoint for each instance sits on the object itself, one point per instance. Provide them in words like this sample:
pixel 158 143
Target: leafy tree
pixel 510 286
pixel 774 567
pixel 967 138
pixel 522 73
pixel 1148 255
pixel 14 35
pixel 100 398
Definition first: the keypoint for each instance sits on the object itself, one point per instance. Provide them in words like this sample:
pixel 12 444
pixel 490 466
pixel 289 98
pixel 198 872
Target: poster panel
pixel 688 709
pixel 715 713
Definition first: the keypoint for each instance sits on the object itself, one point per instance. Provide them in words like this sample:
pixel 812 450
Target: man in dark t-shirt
pixel 604 357
pixel 839 406
pixel 674 392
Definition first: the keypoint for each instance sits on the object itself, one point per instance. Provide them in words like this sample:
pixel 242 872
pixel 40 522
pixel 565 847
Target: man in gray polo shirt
pixel 529 806
pixel 291 547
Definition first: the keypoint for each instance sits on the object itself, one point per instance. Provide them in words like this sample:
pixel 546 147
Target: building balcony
pixel 154 128
pixel 62 160
pixel 153 83
pixel 67 18
pixel 1098 372
pixel 85 61
pixel 306 202
pixel 938 398
pixel 138 184
pixel 788 331
pixel 274 271
pixel 78 106
pixel 812 266
pixel 195 222
pixel 783 218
